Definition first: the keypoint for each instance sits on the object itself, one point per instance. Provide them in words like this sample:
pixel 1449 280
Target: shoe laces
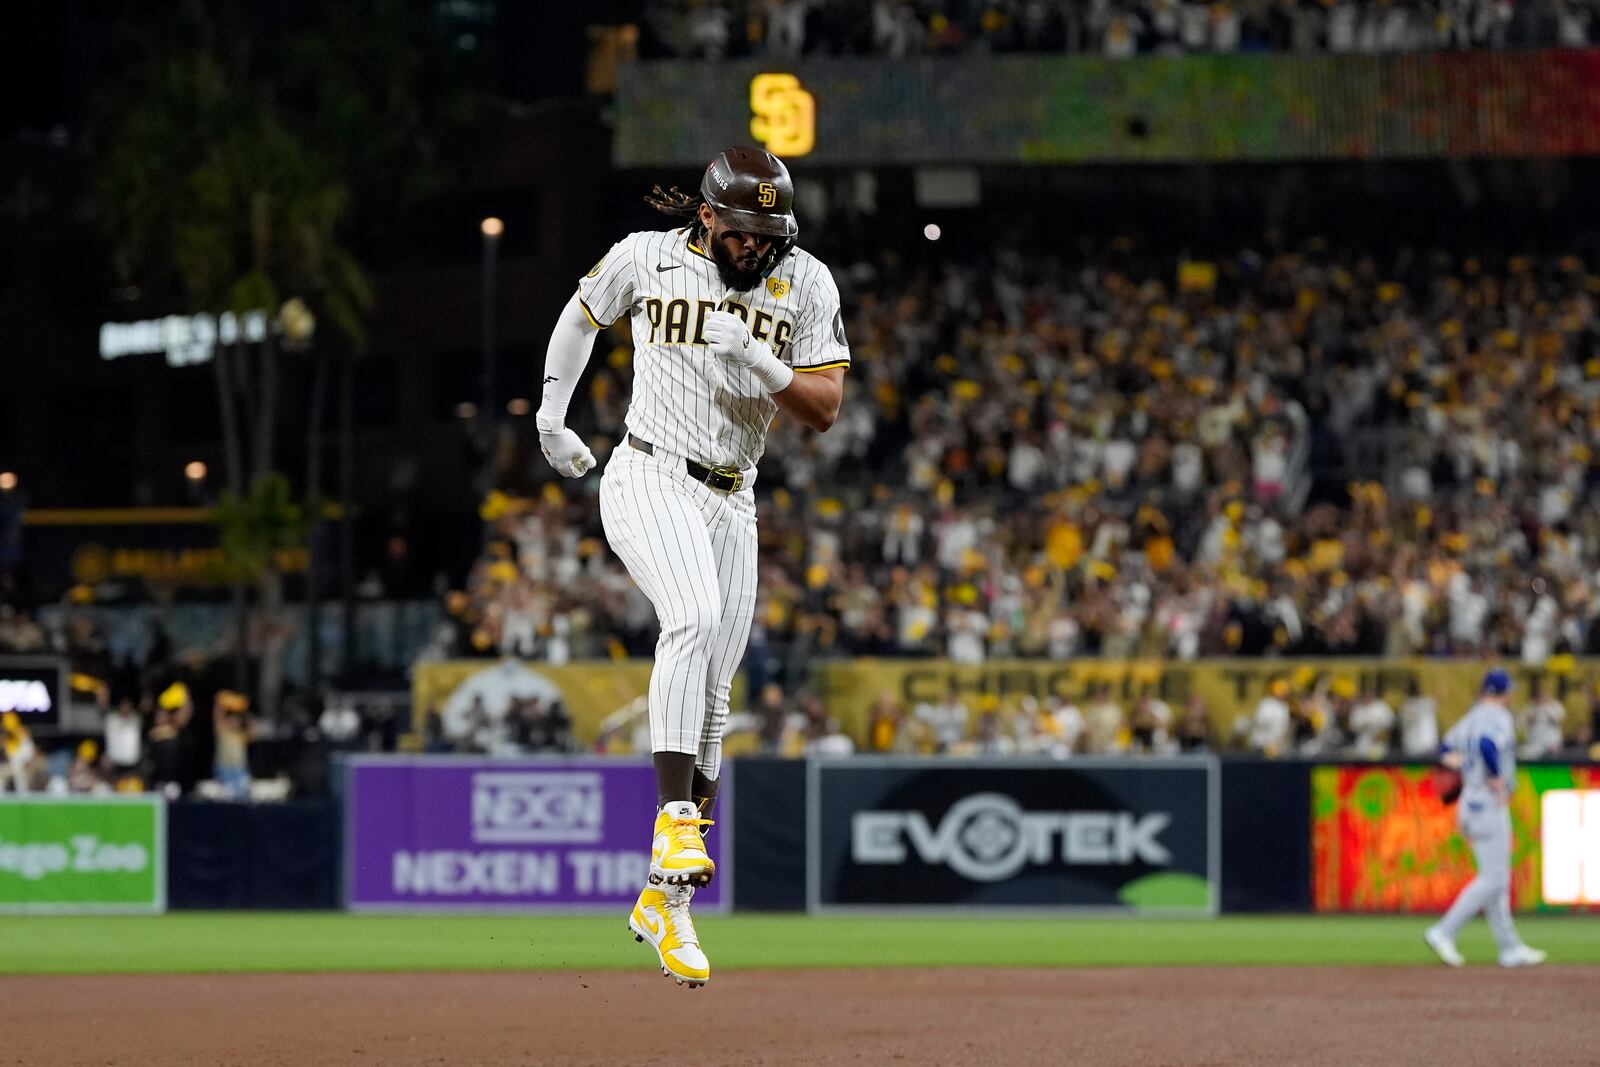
pixel 682 925
pixel 685 833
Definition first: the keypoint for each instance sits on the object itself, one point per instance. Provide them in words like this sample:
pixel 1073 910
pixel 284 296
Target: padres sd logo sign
pixel 785 119
pixel 778 287
pixel 766 194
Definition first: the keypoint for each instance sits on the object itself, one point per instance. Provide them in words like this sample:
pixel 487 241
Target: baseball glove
pixel 1447 784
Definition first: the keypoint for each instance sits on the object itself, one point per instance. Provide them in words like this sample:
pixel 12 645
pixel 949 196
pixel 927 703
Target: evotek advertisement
pixel 455 834
pixel 83 854
pixel 1383 841
pixel 1089 834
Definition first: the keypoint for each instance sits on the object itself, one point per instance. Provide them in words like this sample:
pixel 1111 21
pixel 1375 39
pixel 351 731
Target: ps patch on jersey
pixel 778 288
pixel 594 272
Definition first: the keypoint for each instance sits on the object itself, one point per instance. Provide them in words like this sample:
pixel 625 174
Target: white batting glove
pixel 563 448
pixel 729 340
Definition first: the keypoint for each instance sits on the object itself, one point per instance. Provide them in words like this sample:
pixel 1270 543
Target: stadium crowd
pixel 1291 453
pixel 1305 715
pixel 154 741
pixel 135 727
pixel 716 29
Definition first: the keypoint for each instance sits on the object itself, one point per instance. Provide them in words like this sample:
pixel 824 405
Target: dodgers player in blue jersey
pixel 1482 747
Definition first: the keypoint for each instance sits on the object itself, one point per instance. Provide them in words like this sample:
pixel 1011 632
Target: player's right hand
pixel 564 449
pixel 728 338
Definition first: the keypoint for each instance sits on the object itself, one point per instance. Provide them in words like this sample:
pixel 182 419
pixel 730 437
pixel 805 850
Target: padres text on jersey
pixel 685 399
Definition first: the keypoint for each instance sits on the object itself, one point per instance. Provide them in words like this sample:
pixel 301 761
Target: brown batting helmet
pixel 750 190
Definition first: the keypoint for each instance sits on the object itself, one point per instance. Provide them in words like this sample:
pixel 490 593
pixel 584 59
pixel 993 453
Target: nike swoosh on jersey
pixel 661 268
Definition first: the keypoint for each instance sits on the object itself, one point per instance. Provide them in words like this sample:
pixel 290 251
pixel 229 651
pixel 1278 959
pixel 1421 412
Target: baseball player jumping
pixel 731 322
pixel 1482 747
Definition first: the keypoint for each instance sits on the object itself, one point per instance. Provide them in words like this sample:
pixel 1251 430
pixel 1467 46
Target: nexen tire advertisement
pixel 460 833
pixel 1110 835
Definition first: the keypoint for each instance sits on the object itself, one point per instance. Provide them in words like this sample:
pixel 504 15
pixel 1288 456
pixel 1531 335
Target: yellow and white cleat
pixel 678 854
pixel 663 921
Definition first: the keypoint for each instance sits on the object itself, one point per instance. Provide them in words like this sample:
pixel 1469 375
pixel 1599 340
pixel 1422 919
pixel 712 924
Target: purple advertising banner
pixel 436 833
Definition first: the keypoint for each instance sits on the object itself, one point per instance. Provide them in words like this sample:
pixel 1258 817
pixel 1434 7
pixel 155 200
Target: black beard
pixel 732 275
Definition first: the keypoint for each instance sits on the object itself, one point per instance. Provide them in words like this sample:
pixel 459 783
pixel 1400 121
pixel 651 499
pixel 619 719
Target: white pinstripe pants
pixel 693 552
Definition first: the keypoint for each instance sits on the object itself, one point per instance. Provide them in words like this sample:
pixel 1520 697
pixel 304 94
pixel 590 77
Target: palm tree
pixel 224 187
pixel 373 89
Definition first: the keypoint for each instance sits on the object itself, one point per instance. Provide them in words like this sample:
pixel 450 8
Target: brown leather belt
pixel 722 479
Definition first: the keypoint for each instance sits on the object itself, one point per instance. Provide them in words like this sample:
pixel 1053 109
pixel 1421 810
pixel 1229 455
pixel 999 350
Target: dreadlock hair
pixel 676 202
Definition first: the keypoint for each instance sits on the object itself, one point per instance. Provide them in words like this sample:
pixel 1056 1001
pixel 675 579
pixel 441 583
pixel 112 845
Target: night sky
pixel 51 52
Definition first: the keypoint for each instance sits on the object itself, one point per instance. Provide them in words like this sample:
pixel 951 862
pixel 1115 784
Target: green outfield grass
pixel 255 941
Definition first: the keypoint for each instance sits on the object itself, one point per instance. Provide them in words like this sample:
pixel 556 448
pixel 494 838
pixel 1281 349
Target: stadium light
pixel 195 471
pixel 8 481
pixel 466 410
pixel 517 406
pixel 489 372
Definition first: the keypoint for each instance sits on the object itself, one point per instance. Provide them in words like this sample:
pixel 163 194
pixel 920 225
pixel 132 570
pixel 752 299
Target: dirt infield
pixel 1144 1016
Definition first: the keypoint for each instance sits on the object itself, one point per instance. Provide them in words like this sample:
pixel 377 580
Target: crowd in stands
pixel 148 737
pixel 1319 718
pixel 522 726
pixel 155 742
pixel 715 29
pixel 1305 715
pixel 1088 454
pixel 142 747
pixel 141 687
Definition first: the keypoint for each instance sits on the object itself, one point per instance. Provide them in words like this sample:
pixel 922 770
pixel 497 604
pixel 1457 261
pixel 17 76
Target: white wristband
pixel 772 372
pixel 549 423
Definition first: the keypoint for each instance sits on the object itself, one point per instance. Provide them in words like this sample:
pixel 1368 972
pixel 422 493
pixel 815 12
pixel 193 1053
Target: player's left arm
pixel 813 399
pixel 1489 751
pixel 810 386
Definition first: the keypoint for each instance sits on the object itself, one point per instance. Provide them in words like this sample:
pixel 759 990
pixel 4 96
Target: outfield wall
pixel 1263 861
pixel 466 833
pixel 1191 836
pixel 1125 836
pixel 276 857
pixel 1382 842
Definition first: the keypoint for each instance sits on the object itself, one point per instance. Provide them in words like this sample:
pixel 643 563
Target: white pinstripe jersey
pixel 685 399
